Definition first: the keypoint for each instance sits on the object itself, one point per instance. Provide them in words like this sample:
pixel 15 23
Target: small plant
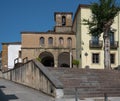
pixel 39 59
pixel 75 62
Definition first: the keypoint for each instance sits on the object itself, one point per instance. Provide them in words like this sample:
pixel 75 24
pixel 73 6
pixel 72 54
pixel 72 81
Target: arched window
pixel 69 42
pixel 42 40
pixel 61 41
pixel 63 20
pixel 50 41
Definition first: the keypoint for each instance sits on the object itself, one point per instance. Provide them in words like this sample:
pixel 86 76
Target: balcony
pixel 95 44
pixel 114 45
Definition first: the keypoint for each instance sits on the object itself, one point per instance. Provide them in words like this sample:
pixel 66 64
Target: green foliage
pixel 75 62
pixel 103 13
pixel 39 59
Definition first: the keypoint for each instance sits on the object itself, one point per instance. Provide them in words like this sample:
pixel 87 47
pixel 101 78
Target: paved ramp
pixel 10 91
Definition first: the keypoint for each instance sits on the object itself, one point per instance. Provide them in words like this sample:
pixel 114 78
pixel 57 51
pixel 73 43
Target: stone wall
pixel 34 74
pixel 63 29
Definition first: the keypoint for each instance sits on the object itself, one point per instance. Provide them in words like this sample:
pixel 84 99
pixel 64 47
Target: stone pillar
pixel 55 62
pixel 55 59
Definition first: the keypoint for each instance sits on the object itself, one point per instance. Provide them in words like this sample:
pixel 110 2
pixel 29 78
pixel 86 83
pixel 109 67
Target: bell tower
pixel 63 21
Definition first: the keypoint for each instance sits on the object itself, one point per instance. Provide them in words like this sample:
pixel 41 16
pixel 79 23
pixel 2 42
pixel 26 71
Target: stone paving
pixel 10 91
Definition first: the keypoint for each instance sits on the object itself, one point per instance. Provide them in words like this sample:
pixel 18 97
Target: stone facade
pixel 52 47
pixel 63 21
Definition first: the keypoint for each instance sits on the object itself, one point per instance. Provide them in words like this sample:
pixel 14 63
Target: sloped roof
pixel 89 82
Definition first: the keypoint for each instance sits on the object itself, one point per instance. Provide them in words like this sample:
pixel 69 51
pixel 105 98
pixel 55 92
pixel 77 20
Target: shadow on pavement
pixel 4 97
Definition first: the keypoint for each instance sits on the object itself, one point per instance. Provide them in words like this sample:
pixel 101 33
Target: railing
pixel 95 44
pixel 114 45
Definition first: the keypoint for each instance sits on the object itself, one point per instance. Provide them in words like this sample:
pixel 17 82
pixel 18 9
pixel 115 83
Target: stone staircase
pixel 88 82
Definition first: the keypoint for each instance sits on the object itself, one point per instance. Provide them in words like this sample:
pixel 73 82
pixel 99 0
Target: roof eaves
pixel 13 43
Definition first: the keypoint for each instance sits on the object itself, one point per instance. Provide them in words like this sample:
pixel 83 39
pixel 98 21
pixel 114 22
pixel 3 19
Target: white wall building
pixel 10 51
pixel 13 53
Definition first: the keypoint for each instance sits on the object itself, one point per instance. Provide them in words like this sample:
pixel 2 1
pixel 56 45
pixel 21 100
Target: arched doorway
pixel 64 59
pixel 47 59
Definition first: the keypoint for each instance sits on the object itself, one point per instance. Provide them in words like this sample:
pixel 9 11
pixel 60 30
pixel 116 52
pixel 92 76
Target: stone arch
pixel 64 59
pixel 47 59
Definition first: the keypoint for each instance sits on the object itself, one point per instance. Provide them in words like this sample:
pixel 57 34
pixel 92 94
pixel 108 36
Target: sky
pixel 17 16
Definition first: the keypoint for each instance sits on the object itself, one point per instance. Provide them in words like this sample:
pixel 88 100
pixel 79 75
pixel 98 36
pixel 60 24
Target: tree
pixel 103 14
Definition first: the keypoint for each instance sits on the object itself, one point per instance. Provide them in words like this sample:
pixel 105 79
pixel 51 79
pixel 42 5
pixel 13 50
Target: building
pixel 55 48
pixel 10 52
pixel 89 49
pixel 69 41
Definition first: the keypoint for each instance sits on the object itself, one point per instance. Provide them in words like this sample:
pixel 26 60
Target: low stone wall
pixel 35 75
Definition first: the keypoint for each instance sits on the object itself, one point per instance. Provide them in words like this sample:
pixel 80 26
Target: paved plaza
pixel 10 91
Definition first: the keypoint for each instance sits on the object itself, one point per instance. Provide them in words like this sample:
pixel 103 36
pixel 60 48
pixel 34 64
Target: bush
pixel 75 62
pixel 39 59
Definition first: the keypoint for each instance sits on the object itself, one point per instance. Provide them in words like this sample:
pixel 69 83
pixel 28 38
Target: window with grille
pixel 95 58
pixel 112 58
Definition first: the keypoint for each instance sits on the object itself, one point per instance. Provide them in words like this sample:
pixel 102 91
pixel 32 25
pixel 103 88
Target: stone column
pixel 55 59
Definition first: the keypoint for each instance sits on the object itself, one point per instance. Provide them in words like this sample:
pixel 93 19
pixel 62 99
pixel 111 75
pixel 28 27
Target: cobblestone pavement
pixel 10 91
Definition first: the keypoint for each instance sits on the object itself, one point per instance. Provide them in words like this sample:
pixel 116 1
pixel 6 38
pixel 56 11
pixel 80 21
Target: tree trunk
pixel 106 37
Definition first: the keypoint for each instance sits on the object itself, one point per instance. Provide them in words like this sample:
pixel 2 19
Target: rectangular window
pixel 112 58
pixel 95 40
pixel 95 58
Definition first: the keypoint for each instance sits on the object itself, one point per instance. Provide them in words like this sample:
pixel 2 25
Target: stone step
pixel 91 82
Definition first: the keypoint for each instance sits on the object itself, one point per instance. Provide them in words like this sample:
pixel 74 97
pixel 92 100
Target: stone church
pixel 55 48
